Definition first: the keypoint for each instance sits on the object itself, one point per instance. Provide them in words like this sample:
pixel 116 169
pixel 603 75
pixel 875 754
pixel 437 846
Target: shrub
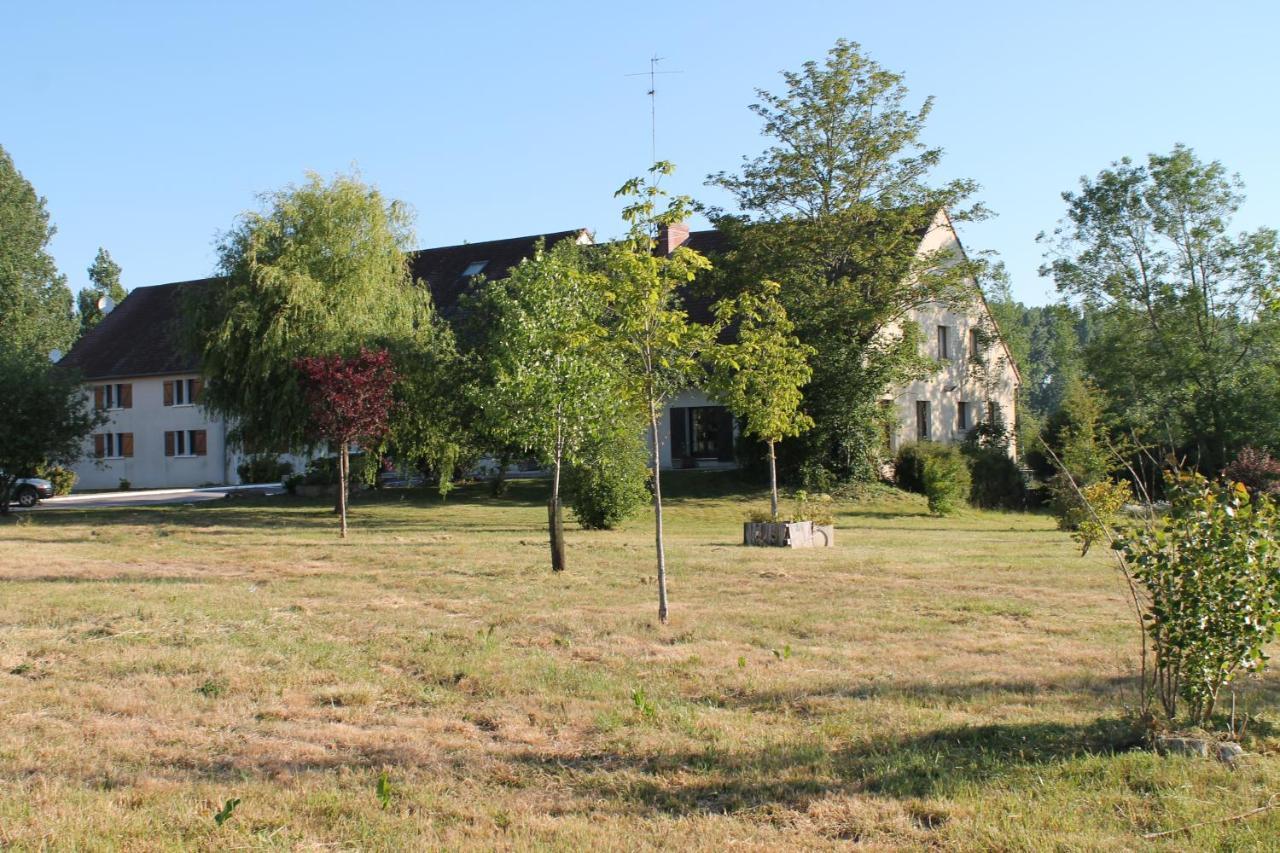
pixel 125 485
pixel 1091 512
pixel 938 471
pixel 946 480
pixel 997 481
pixel 63 479
pixel 908 467
pixel 263 468
pixel 1257 470
pixel 1210 570
pixel 815 508
pixel 292 482
pixel 610 481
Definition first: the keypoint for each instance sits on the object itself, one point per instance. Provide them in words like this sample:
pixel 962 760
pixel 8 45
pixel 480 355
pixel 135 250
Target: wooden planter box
pixel 788 534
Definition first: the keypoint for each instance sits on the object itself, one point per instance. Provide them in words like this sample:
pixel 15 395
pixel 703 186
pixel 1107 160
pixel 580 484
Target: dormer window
pixel 474 268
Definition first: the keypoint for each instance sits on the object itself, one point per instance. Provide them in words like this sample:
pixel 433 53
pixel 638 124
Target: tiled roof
pixel 141 337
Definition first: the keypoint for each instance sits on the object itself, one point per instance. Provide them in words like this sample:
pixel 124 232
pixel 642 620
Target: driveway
pixel 153 497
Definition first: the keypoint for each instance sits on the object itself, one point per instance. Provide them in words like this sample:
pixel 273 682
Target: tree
pixel 322 271
pixel 760 376
pixel 349 401
pixel 35 302
pixel 1187 345
pixel 648 326
pixel 44 419
pixel 104 278
pixel 552 384
pixel 834 210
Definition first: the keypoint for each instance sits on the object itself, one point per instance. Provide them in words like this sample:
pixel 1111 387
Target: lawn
pixel 954 683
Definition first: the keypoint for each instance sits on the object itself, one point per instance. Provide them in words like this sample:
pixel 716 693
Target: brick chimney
pixel 672 237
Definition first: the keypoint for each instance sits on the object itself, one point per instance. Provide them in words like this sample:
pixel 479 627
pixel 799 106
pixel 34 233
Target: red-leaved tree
pixel 349 400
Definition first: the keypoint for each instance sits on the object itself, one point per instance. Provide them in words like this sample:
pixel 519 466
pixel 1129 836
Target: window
pixel 962 417
pixel 113 445
pixel 183 392
pixel 474 268
pixel 922 420
pixel 975 343
pixel 993 413
pixel 944 342
pixel 185 442
pixel 116 396
pixel 701 432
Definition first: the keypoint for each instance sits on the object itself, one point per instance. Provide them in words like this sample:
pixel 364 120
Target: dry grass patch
pixel 954 683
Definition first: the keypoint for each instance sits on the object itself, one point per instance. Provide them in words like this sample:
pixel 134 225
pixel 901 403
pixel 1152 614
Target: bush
pixel 1088 518
pixel 263 468
pixel 1257 470
pixel 292 482
pixel 1211 574
pixel 938 471
pixel 610 482
pixel 63 479
pixel 997 481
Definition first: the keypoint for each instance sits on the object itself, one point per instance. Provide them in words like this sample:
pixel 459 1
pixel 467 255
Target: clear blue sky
pixel 150 126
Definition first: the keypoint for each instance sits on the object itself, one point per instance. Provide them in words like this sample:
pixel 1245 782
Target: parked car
pixel 28 490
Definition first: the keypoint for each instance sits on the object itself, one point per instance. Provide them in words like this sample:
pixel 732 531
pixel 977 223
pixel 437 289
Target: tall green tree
pixel 44 419
pixel 648 326
pixel 1186 342
pixel 835 210
pixel 104 280
pixel 552 384
pixel 760 375
pixel 35 302
pixel 321 270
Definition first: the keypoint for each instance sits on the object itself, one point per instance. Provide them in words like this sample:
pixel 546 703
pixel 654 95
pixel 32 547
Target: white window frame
pixel 111 446
pixel 182 392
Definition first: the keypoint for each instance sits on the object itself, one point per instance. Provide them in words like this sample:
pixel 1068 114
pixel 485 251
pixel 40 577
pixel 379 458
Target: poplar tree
pixel 35 302
pixel 104 280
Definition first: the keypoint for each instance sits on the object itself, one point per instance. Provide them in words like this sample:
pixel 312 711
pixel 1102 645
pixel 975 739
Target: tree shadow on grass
pixel 936 763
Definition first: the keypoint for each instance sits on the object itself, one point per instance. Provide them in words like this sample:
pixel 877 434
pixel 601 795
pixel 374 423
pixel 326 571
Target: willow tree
pixel 321 270
pixel 552 386
pixel 761 375
pixel 650 330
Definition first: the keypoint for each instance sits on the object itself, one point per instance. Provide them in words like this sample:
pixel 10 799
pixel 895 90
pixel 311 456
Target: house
pixel 158 435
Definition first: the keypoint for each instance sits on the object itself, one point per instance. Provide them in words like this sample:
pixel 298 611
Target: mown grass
pixel 954 683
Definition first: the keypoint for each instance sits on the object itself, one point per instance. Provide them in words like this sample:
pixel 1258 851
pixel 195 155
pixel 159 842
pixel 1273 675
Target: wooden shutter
pixel 125 439
pixel 168 395
pixel 99 444
pixel 679 421
pixel 97 396
pixel 168 441
pixel 126 396
pixel 198 444
pixel 197 391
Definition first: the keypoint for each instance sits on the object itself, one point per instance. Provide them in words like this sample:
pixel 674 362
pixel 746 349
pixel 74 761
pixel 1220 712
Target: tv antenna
pixel 652 74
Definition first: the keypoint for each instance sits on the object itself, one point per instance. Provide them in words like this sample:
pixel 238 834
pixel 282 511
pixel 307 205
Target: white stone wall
pixel 148 419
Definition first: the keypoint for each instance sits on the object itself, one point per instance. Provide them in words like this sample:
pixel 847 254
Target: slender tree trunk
pixel 657 514
pixel 773 482
pixel 555 521
pixel 343 474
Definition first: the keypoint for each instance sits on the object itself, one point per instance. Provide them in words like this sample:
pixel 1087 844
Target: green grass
pixel 955 683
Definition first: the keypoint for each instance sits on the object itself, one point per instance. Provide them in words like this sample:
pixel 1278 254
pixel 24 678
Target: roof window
pixel 474 268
